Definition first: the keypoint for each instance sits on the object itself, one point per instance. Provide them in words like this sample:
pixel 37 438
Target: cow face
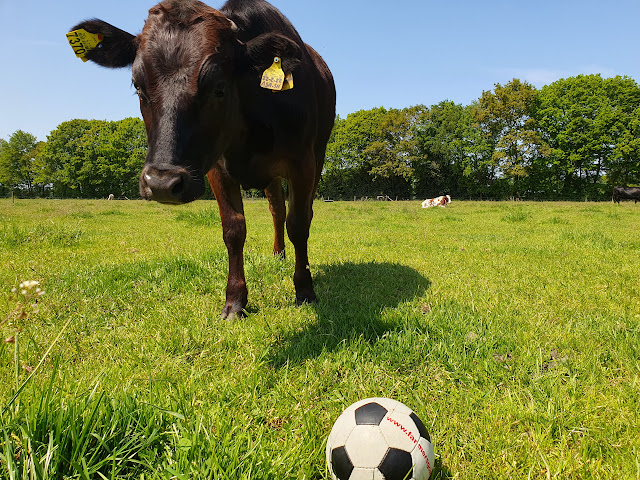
pixel 187 65
pixel 183 74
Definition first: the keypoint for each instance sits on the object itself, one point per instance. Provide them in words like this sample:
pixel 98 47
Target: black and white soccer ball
pixel 379 439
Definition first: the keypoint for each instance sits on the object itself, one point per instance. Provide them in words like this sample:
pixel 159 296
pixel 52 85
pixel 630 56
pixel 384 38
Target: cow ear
pixel 260 52
pixel 117 49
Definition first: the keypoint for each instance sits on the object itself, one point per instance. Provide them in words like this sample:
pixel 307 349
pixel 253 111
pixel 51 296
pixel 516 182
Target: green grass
pixel 511 328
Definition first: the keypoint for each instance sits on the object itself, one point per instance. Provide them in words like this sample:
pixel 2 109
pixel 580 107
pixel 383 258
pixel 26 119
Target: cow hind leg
pixel 234 233
pixel 301 193
pixel 275 195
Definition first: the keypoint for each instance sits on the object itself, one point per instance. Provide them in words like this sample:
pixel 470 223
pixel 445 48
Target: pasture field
pixel 513 330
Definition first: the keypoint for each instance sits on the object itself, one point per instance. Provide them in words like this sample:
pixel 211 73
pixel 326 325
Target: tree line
pixel 80 159
pixel 573 139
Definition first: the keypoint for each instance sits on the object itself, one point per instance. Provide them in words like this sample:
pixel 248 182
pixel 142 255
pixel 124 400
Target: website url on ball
pixel 409 434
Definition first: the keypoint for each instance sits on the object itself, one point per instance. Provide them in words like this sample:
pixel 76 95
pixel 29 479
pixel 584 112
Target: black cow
pixel 626 193
pixel 198 72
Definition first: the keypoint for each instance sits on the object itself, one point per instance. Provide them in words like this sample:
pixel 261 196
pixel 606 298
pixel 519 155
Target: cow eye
pixel 140 92
pixel 211 81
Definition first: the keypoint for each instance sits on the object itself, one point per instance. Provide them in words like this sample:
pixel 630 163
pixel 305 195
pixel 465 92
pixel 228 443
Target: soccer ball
pixel 379 439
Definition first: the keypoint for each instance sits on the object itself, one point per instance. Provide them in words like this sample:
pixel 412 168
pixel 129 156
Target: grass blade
pixel 35 370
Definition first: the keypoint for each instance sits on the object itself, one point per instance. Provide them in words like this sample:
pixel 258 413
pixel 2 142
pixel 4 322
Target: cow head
pixel 189 70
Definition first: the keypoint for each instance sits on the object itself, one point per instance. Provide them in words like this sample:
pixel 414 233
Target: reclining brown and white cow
pixel 440 201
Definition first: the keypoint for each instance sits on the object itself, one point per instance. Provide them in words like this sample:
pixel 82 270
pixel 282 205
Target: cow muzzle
pixel 167 184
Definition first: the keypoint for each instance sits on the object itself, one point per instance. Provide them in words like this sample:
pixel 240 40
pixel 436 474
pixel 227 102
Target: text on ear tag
pixel 83 42
pixel 273 77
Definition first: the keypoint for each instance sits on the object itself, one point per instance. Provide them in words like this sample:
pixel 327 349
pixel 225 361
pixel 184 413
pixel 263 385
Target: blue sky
pixel 392 54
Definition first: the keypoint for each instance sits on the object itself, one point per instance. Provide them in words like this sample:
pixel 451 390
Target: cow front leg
pixel 275 195
pixel 234 232
pixel 298 223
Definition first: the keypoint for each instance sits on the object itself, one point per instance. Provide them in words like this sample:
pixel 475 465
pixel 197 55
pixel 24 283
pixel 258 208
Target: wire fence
pixel 378 198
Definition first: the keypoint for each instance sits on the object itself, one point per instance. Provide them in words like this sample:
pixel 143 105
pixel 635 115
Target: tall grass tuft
pixel 82 435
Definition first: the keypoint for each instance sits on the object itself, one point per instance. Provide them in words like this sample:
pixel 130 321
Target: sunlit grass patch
pixel 511 328
pixel 12 236
pixel 209 216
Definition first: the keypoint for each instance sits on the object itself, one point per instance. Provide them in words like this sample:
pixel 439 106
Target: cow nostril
pixel 168 184
pixel 178 187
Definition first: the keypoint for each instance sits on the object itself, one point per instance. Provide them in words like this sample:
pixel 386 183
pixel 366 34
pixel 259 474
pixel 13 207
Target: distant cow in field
pixel 626 193
pixel 441 201
pixel 235 95
pixel 110 197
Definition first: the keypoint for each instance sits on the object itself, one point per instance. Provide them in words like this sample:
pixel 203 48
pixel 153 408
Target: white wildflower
pixel 29 288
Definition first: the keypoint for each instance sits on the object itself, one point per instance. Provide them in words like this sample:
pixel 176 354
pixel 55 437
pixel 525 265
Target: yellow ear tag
pixel 83 42
pixel 288 82
pixel 273 77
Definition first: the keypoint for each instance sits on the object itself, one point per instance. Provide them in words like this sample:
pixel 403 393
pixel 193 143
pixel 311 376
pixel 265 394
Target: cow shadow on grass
pixel 352 300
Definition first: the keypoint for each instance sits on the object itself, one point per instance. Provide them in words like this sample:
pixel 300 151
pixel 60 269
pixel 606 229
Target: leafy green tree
pixel 351 136
pixel 114 155
pixel 40 181
pixel 370 153
pixel 506 117
pixel 590 125
pixel 454 158
pixel 347 165
pixel 16 162
pixel 129 141
pixel 394 154
pixel 624 163
pixel 63 157
pixel 4 189
pixel 93 158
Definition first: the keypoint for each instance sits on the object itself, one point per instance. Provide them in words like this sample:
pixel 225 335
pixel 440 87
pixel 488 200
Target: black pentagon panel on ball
pixel 370 414
pixel 396 465
pixel 421 428
pixel 341 463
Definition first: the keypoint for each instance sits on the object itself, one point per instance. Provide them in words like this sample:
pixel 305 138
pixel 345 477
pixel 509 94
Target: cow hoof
pixel 301 300
pixel 232 312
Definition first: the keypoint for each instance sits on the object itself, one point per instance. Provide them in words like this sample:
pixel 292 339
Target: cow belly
pixel 258 172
